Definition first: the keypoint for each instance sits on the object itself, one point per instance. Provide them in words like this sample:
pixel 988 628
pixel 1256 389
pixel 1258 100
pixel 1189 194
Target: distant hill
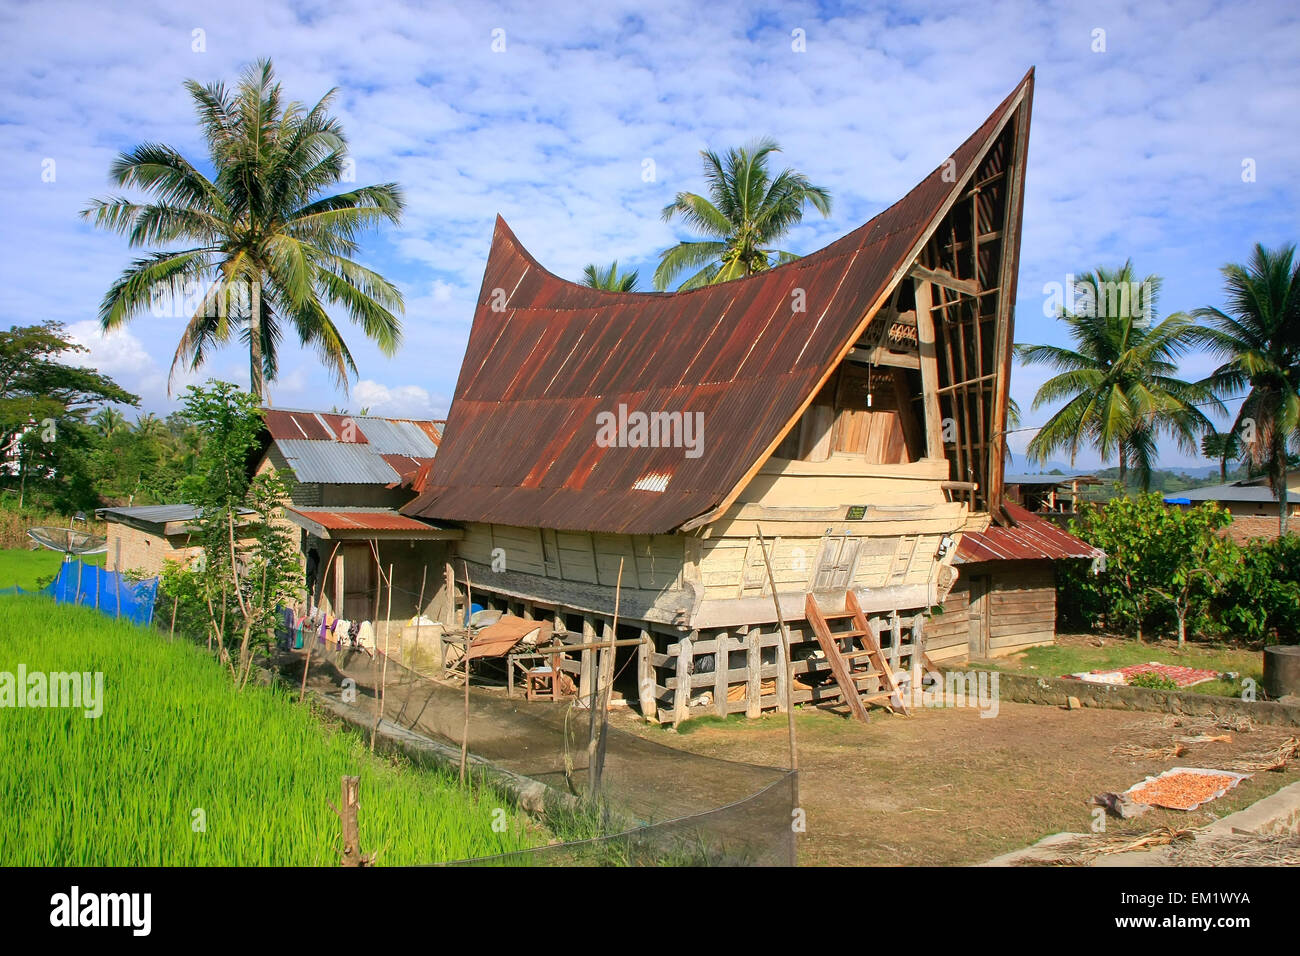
pixel 1197 475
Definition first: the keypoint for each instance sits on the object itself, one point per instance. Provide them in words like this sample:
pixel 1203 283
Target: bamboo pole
pixel 464 735
pixel 785 663
pixel 419 616
pixel 306 666
pixel 77 599
pixel 176 601
pixel 595 768
pixel 388 633
pixel 117 577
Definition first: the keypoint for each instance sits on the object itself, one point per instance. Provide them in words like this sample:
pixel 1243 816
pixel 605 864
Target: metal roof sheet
pixel 285 423
pixel 335 462
pixel 546 356
pixel 363 519
pixel 1029 539
pixel 154 514
pixel 1229 492
pixel 1050 479
pixel 396 437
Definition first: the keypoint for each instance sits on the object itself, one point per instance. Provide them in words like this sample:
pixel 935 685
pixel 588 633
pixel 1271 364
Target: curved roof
pixel 547 356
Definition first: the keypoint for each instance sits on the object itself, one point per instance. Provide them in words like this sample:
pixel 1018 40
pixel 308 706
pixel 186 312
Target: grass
pixel 177 745
pixel 1072 654
pixel 32 569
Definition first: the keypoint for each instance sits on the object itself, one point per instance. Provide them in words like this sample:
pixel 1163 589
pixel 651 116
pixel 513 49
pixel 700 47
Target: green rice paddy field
pixel 183 770
pixel 30 569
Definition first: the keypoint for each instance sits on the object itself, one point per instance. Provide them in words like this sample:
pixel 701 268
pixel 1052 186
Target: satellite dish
pixel 69 541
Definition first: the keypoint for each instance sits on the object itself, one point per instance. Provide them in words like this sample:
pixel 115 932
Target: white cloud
pixel 399 401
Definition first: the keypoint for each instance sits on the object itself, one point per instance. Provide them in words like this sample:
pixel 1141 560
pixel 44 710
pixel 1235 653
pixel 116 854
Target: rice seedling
pixel 182 769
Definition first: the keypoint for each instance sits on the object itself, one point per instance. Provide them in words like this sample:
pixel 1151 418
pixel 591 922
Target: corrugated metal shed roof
pixel 1030 538
pixel 154 514
pixel 350 449
pixel 546 356
pixel 397 437
pixel 1229 492
pixel 1050 479
pixel 363 519
pixel 335 462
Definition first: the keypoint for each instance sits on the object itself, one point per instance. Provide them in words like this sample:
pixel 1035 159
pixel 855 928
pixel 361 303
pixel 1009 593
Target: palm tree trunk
pixel 256 385
pixel 1281 497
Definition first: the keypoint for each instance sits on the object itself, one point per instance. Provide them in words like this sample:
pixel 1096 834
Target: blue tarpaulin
pixel 109 591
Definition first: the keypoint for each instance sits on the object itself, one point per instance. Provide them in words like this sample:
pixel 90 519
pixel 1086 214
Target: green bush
pixel 1163 564
pixel 1153 680
pixel 1261 598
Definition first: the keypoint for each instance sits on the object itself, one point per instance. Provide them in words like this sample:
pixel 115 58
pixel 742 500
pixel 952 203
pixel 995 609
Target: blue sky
pixel 1136 151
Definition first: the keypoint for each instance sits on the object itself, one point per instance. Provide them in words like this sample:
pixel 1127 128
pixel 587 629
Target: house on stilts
pixel 849 407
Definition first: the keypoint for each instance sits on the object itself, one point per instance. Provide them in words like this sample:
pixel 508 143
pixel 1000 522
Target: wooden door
pixel 980 607
pixel 358 582
pixel 836 564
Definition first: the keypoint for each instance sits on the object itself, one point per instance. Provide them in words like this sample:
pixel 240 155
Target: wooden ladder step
pixel 863 675
pixel 883 696
pixel 877 657
pixel 840 668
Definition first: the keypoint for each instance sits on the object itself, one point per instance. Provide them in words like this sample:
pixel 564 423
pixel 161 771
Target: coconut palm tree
pixel 1258 334
pixel 1224 446
pixel 262 240
pixel 611 280
pixel 747 211
pixel 1118 381
pixel 108 421
pixel 149 425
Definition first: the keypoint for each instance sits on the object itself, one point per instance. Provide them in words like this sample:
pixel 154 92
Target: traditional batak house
pixel 849 407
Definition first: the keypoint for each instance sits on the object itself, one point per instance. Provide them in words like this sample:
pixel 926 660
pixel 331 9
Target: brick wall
pixel 145 552
pixel 1245 527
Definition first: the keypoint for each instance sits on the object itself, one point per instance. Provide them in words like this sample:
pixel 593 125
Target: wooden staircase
pixel 859 666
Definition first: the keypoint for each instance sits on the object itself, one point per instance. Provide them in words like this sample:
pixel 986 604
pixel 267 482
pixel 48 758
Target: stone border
pixel 1054 691
pixel 1278 814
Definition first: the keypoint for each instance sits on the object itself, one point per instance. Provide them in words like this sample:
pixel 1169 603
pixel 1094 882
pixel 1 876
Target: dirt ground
pixel 945 786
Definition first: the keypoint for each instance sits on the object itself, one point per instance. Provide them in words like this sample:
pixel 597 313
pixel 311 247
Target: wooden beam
pixel 682 697
pixel 882 356
pixel 929 372
pixel 946 279
pixel 1007 280
pixel 645 676
pixel 586 689
pixel 721 664
pixel 754 672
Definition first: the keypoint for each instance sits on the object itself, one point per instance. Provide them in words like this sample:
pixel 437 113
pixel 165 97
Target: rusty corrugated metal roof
pixel 350 449
pixel 406 466
pixel 358 519
pixel 1030 538
pixel 546 356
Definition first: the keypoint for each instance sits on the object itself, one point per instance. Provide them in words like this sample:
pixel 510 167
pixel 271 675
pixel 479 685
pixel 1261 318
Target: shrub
pixel 1153 680
pixel 1260 600
pixel 1162 563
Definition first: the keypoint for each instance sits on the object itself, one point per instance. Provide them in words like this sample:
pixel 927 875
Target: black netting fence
pixel 657 805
